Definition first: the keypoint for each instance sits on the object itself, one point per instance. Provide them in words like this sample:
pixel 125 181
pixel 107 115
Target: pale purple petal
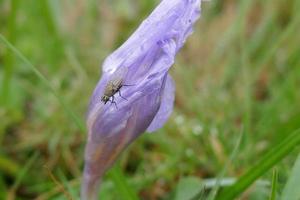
pixel 171 19
pixel 103 148
pixel 144 60
pixel 166 106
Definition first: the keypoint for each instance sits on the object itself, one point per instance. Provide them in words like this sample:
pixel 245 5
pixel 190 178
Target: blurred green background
pixel 237 96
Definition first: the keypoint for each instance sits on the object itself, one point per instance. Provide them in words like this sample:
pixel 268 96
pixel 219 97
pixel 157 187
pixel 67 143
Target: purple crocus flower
pixel 135 78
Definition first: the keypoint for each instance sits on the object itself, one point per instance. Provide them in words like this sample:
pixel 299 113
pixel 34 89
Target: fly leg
pixel 113 101
pixel 122 96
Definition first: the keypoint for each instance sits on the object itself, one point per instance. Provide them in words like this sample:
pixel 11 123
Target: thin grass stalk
pixel 8 59
pixel 270 159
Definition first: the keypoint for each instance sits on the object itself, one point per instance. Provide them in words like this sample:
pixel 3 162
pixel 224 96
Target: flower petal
pixel 147 90
pixel 106 142
pixel 171 18
pixel 166 106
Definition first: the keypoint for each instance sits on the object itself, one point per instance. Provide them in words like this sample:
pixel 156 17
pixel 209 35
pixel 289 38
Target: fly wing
pixel 108 91
pixel 119 76
pixel 116 80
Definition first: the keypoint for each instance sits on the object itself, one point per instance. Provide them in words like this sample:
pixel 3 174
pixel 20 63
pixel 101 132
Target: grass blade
pixel 274 156
pixel 291 190
pixel 8 59
pixel 274 184
pixel 21 175
pixel 8 166
pixel 45 81
pixel 120 182
pixel 233 155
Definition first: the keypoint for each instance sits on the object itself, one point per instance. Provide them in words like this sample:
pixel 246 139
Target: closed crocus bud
pixel 135 93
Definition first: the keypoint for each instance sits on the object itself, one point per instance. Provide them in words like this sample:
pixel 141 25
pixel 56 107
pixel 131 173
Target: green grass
pixel 239 71
pixel 274 185
pixel 291 190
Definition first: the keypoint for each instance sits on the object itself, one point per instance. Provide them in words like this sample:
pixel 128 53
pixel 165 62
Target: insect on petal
pixel 135 92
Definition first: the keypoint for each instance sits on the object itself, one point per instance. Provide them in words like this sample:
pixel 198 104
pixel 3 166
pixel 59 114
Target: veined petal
pixel 103 147
pixel 166 106
pixel 145 96
pixel 171 18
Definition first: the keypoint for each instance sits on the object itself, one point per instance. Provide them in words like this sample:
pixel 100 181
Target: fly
pixel 113 86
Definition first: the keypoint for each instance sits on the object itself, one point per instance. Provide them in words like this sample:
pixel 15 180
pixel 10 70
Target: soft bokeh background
pixel 238 76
